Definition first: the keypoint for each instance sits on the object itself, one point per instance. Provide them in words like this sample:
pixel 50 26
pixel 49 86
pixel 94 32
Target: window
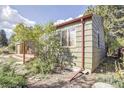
pixel 68 37
pixel 98 41
pixel 64 38
pixel 72 37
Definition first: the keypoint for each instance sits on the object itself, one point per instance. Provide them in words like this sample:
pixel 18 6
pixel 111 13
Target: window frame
pixel 68 29
pixel 98 35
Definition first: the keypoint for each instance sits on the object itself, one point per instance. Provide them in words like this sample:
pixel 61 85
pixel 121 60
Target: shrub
pixel 1 51
pixel 50 53
pixel 113 80
pixel 9 79
pixel 113 73
pixel 36 66
pixel 11 47
pixel 50 56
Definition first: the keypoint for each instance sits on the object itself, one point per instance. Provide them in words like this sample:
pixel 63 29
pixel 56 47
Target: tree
pixel 118 24
pixel 113 23
pixel 3 38
pixel 50 53
pixel 22 34
pixel 25 34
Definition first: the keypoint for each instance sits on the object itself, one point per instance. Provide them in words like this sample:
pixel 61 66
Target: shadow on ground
pixel 108 65
pixel 80 82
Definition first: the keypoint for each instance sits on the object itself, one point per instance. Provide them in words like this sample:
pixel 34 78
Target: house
pixel 84 37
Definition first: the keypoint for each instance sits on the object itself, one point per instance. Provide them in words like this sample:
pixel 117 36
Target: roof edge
pixel 74 20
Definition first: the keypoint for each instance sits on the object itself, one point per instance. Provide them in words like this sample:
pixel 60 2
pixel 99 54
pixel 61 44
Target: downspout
pixel 83 44
pixel 83 47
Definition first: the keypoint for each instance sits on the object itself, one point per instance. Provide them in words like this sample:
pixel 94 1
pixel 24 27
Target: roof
pixel 74 20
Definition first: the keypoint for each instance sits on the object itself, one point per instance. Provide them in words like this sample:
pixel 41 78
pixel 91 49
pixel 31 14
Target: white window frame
pixel 68 37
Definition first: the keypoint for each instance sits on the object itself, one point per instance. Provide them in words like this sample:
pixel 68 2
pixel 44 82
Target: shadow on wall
pixel 68 58
pixel 110 64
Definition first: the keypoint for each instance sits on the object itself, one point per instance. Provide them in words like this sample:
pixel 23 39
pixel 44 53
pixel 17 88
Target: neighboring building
pixel 84 39
pixel 29 48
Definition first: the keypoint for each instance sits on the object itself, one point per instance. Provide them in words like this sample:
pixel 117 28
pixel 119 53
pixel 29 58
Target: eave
pixel 76 20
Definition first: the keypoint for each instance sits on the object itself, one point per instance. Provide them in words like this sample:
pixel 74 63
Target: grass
pixel 110 78
pixel 107 72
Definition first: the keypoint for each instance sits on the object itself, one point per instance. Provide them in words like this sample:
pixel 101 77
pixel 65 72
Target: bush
pixel 11 47
pixel 1 51
pixel 113 80
pixel 50 53
pixel 36 67
pixel 49 56
pixel 9 79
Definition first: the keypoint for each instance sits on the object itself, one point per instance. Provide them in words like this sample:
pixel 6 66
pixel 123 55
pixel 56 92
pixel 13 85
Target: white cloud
pixel 80 15
pixel 59 22
pixel 69 19
pixel 62 21
pixel 9 32
pixel 10 17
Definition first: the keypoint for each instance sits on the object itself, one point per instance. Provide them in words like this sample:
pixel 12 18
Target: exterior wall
pixel 98 48
pixel 28 50
pixel 92 52
pixel 18 48
pixel 88 38
pixel 76 50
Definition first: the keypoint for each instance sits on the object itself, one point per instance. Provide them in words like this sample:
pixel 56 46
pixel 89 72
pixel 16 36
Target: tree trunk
pixel 24 52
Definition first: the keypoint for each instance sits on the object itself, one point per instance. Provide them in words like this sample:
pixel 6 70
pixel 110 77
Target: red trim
pixel 76 20
pixel 83 44
pixel 82 21
pixel 83 41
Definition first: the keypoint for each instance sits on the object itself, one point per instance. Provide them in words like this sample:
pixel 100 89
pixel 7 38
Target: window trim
pixel 68 38
pixel 98 40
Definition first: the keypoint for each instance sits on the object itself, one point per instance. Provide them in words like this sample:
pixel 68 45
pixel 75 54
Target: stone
pixel 89 78
pixel 90 82
pixel 101 85
pixel 76 69
pixel 87 71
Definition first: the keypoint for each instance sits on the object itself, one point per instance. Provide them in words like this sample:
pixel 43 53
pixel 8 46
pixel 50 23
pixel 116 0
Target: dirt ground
pixel 61 80
pixel 104 70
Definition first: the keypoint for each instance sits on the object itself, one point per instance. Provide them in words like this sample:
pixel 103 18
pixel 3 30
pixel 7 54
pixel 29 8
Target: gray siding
pixel 98 51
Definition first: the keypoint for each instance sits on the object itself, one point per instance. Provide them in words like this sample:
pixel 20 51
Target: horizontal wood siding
pixel 76 51
pixel 98 51
pixel 88 44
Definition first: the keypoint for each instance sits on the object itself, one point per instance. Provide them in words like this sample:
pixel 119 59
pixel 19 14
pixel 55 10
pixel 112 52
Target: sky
pixel 37 14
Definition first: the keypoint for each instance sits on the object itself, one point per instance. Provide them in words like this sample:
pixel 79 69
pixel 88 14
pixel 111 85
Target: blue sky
pixel 36 14
pixel 45 13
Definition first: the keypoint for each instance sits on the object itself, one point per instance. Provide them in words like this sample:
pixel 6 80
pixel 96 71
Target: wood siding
pixel 98 49
pixel 94 49
pixel 88 44
pixel 76 50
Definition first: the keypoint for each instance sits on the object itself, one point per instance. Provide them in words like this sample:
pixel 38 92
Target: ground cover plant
pixel 8 77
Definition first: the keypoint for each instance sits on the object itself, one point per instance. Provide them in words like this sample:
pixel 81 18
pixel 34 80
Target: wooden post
pixel 24 52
